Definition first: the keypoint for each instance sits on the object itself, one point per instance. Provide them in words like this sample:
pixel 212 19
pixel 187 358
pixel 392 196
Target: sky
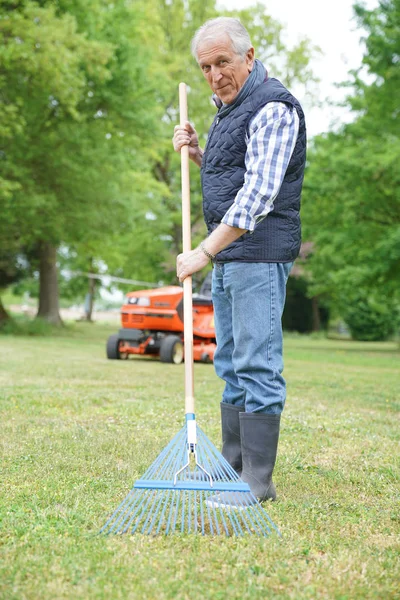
pixel 329 25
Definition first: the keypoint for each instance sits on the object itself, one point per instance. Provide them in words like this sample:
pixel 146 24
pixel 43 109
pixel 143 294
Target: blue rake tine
pixel 175 498
pixel 250 514
pixel 129 501
pixel 156 512
pixel 253 511
pixel 144 508
pixel 219 462
pixel 153 511
pixel 244 508
pixel 254 515
pixel 195 523
pixel 237 529
pixel 202 517
pixel 146 499
pixel 235 514
pixel 177 508
pixel 151 471
pixel 223 521
pixel 183 512
pixel 203 459
pixel 102 530
pixel 189 515
pixel 244 504
pixel 267 519
pixel 158 465
pixel 140 510
pixel 147 509
pixel 190 512
pixel 128 516
pixel 168 523
pixel 167 498
pixel 207 495
pixel 215 517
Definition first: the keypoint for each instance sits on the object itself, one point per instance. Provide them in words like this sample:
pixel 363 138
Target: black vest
pixel 276 238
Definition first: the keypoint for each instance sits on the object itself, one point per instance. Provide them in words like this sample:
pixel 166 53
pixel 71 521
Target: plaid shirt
pixel 273 134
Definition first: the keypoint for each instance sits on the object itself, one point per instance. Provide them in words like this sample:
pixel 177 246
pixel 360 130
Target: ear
pixel 250 59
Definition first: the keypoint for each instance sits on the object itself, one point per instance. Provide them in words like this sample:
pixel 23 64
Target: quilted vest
pixel 276 238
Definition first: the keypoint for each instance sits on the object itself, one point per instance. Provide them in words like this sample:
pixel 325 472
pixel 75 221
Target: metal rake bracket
pixel 192 454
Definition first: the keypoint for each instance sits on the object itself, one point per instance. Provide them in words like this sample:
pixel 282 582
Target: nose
pixel 215 73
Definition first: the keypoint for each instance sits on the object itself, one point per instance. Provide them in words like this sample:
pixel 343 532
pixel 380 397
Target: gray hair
pixel 214 28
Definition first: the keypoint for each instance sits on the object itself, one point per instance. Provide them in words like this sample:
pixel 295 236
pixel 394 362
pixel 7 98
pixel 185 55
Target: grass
pixel 77 430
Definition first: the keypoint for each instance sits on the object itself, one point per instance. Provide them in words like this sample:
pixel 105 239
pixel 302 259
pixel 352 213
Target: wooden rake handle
pixel 186 245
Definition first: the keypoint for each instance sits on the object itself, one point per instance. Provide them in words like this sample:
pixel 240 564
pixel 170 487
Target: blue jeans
pixel 248 304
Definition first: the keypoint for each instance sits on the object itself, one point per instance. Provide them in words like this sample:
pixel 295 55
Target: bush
pixel 21 325
pixel 369 319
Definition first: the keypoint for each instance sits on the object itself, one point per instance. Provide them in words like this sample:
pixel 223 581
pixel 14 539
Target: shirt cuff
pixel 238 216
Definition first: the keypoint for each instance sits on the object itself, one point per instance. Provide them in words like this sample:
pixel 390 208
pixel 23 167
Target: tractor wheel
pixel 205 358
pixel 113 347
pixel 171 350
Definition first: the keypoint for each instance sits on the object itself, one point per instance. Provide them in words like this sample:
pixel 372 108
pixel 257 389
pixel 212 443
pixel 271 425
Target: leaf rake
pixel 176 494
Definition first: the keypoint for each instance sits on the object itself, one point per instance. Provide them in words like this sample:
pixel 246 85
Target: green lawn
pixel 77 430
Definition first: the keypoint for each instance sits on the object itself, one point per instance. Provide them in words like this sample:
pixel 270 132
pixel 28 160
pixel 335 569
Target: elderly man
pixel 252 173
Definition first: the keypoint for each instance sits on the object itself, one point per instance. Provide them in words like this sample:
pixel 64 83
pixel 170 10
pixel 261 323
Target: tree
pixel 351 207
pixel 79 108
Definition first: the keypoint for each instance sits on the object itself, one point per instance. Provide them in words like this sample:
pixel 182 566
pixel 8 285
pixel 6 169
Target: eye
pixel 223 62
pixel 205 68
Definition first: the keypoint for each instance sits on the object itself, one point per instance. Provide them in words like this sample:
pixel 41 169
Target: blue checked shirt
pixel 270 144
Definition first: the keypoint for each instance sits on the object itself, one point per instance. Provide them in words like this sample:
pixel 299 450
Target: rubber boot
pixel 259 433
pixel 231 447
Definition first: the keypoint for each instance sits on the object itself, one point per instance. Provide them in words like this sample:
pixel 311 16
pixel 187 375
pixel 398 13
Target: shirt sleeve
pixel 270 144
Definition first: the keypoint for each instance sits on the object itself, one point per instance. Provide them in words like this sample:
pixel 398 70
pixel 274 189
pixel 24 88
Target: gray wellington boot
pixel 230 425
pixel 259 434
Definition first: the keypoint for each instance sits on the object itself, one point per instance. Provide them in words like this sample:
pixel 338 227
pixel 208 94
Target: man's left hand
pixel 190 262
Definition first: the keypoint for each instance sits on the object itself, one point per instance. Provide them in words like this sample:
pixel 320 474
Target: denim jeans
pixel 248 304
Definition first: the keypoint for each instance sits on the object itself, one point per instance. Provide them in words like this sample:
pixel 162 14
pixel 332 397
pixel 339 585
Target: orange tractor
pixel 152 324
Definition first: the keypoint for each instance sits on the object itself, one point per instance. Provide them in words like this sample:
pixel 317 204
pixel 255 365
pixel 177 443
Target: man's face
pixel 224 70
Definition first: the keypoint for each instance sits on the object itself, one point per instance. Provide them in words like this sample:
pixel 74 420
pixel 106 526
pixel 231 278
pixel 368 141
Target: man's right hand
pixel 187 136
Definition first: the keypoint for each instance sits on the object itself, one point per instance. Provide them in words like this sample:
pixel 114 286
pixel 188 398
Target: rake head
pixel 177 492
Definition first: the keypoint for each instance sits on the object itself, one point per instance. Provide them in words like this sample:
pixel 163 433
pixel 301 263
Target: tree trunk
pixel 89 302
pixel 316 319
pixel 4 316
pixel 48 290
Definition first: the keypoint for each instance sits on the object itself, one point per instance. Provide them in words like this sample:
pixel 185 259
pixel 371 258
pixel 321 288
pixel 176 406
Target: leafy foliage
pixel 352 192
pixel 370 319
